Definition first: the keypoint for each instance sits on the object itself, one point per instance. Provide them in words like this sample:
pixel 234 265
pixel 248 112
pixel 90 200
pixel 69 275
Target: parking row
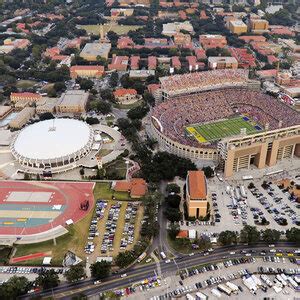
pixel 128 232
pixel 93 229
pixel 110 228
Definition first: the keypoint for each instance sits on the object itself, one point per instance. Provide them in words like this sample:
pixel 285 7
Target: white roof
pixel 47 260
pixel 39 141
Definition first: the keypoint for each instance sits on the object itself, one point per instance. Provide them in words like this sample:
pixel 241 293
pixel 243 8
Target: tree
pixel 138 112
pixel 208 171
pixel 173 230
pixel 14 287
pixel 251 185
pixel 100 269
pixel 46 116
pixel 107 95
pixel 293 235
pixel 114 79
pixel 124 259
pixel 104 107
pixel 48 279
pixel 75 273
pixel 227 237
pixel 86 84
pixel 92 121
pixel 270 236
pixel 173 214
pixel 173 201
pixel 173 188
pixel 249 234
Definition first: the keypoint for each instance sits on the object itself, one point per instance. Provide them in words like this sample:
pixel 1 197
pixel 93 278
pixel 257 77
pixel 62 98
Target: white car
pixel 123 275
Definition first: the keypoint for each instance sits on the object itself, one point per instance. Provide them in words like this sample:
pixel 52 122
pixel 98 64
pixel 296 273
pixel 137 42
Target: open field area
pixel 102 191
pixel 73 241
pixel 118 29
pixel 220 129
pixel 117 167
pixel 25 84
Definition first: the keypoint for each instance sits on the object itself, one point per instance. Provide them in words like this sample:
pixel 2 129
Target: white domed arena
pixel 54 144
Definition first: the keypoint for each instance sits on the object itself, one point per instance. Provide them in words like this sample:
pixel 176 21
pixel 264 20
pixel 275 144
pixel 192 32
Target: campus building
pixel 222 62
pixel 25 97
pixel 126 96
pixel 91 51
pixel 262 150
pixel 237 27
pixel 196 194
pixel 72 101
pixel 86 71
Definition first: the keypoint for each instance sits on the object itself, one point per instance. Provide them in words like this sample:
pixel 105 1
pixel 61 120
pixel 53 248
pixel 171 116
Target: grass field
pixel 74 240
pixel 220 129
pixel 25 84
pixel 103 191
pixel 118 29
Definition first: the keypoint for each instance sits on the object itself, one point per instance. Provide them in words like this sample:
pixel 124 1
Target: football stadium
pixel 234 125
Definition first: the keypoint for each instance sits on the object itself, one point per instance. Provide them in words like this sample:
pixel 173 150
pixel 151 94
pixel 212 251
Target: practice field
pixel 221 129
pixel 118 29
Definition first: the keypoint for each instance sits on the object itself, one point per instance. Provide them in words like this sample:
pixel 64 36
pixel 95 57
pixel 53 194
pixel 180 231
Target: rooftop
pixel 197 184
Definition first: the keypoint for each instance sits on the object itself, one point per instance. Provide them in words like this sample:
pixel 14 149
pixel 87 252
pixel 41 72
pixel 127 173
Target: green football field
pixel 220 129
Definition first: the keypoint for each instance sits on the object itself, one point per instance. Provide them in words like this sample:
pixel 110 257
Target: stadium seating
pixel 176 114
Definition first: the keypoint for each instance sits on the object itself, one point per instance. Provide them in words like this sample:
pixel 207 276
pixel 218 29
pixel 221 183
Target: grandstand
pixel 196 82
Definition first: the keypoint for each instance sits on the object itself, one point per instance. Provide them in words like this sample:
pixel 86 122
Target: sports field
pixel 220 129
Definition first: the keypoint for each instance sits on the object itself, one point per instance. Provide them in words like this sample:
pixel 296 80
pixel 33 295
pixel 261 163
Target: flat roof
pixel 96 48
pixel 74 97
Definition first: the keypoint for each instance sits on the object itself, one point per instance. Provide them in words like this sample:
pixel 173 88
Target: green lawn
pixel 128 106
pixel 25 84
pixel 103 191
pixel 74 240
pixel 118 29
pixel 117 166
pixel 221 129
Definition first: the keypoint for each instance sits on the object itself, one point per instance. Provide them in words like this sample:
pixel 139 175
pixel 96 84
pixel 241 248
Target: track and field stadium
pixel 38 211
pixel 234 127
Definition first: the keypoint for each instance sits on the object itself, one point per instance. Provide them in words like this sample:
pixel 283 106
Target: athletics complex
pixel 223 117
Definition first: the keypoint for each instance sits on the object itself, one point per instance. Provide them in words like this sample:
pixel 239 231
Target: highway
pixel 138 273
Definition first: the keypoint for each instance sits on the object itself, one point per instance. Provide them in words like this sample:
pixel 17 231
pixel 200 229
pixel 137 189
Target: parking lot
pixel 115 227
pixel 237 271
pixel 30 273
pixel 234 204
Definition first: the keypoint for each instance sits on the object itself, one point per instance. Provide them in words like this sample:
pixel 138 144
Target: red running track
pixel 70 194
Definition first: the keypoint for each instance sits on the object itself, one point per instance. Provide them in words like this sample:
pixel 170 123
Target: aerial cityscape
pixel 149 149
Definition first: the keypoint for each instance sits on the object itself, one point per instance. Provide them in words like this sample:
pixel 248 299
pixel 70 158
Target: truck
pixel 292 282
pixel 279 278
pixel 243 191
pixel 228 189
pixel 141 257
pixel 237 193
pixel 216 293
pixel 225 289
pixel 233 287
pixel 201 296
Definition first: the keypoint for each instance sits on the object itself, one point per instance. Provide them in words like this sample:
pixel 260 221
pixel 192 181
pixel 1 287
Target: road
pixel 67 291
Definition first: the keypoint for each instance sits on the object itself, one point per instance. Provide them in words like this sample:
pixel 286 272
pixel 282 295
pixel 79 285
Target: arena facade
pixel 53 145
pixel 196 120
